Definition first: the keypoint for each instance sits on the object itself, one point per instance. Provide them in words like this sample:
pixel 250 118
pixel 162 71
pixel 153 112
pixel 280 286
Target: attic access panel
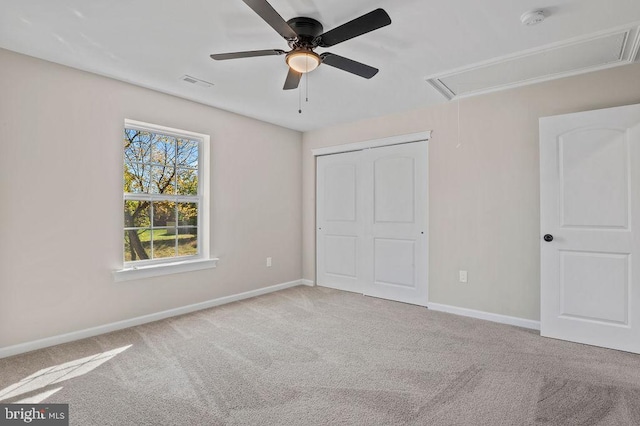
pixel 550 62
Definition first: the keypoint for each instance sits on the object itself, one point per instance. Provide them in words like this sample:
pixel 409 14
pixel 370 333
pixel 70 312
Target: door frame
pixel 360 146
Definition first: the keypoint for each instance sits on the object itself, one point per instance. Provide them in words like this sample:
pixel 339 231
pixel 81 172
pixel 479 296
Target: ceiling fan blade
pixel 293 80
pixel 271 17
pixel 362 25
pixel 348 65
pixel 248 54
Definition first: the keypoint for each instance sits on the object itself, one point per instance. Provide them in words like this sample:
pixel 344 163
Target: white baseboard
pixel 308 282
pixel 107 328
pixel 488 316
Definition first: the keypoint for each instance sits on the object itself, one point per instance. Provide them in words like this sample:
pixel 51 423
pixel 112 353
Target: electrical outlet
pixel 462 276
pixel 268 262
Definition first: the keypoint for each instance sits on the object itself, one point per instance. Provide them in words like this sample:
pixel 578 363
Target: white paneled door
pixel 372 222
pixel 590 208
pixel 339 205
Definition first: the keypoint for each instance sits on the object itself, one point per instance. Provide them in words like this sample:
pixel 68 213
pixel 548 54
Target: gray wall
pixel 61 201
pixel 484 184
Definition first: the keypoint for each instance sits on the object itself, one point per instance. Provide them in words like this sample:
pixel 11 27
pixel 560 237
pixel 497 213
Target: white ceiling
pixel 153 43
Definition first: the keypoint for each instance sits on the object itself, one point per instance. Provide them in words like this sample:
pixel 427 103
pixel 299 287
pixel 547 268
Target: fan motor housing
pixel 307 28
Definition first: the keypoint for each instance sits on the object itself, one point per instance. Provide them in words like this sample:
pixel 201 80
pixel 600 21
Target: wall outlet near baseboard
pixel 462 276
pixel 268 262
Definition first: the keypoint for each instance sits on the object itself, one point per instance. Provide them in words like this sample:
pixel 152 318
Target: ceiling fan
pixel 304 35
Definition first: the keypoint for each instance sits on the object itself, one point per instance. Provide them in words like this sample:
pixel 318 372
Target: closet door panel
pixel 395 222
pixel 338 222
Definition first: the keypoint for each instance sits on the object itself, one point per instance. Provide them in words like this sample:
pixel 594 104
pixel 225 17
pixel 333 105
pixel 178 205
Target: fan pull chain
pixel 306 79
pixel 306 82
pixel 300 93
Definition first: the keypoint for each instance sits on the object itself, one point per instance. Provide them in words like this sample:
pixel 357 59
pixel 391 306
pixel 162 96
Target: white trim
pixel 628 54
pixel 204 214
pixel 159 269
pixel 170 131
pixel 119 325
pixel 487 316
pixel 310 283
pixel 375 143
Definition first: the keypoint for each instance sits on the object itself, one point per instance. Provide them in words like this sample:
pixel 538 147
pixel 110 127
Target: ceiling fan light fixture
pixel 304 34
pixel 303 61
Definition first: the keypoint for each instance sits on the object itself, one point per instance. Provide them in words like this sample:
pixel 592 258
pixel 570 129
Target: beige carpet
pixel 314 356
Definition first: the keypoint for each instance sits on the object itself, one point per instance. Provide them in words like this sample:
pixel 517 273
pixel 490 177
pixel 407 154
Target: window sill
pixel 164 269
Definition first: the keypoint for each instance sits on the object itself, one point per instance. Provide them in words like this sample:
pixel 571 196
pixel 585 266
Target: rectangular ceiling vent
pixel 591 53
pixel 195 81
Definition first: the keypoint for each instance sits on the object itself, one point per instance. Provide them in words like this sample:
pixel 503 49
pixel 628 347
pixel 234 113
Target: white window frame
pixel 201 260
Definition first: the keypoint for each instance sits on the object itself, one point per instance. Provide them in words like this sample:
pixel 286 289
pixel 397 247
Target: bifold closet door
pixel 372 222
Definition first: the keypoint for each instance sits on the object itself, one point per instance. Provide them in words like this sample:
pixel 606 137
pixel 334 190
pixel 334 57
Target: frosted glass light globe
pixel 303 61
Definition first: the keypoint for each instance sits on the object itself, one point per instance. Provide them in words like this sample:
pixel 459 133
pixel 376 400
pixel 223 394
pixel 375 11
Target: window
pixel 164 205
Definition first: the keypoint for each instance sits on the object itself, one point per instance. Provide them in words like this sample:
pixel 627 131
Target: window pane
pixel 187 153
pixel 137 178
pixel 163 150
pixel 137 245
pixel 162 180
pixel 187 181
pixel 187 241
pixel 164 243
pixel 136 214
pixel 137 146
pixel 164 214
pixel 188 214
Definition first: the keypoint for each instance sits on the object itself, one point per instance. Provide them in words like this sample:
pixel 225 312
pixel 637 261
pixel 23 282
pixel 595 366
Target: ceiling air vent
pixel 576 56
pixel 195 81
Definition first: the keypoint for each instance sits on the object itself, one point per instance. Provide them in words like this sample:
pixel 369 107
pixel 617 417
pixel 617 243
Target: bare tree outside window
pixel 161 199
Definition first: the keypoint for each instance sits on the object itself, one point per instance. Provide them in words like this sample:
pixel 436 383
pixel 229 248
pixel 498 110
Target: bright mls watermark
pixel 34 414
